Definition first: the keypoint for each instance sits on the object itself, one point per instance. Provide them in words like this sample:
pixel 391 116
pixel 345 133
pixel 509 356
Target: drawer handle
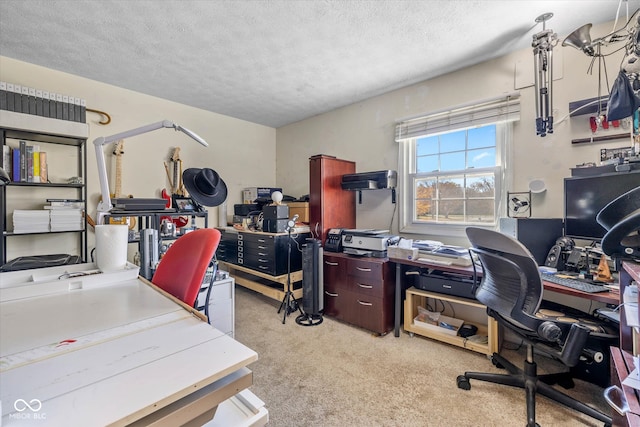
pixel 362 285
pixel 364 303
pixel 623 400
pixel 330 263
pixel 262 260
pixel 262 247
pixel 262 254
pixel 363 269
pixel 262 267
pixel 330 294
pixel 261 240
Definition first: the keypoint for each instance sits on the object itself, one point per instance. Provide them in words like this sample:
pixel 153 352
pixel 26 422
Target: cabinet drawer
pixel 366 286
pixel 250 251
pixel 333 270
pixel 255 238
pixel 368 270
pixel 366 312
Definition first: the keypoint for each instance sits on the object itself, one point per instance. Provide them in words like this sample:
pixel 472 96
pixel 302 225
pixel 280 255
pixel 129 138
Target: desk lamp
pixel 105 205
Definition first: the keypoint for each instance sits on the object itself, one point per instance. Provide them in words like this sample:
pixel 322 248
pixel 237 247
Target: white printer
pixel 367 242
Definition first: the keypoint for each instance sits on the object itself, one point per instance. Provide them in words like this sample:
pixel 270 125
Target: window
pixel 452 166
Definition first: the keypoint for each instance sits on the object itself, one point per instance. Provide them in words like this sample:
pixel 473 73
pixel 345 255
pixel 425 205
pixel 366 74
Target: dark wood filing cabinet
pixel 329 205
pixel 268 252
pixel 359 291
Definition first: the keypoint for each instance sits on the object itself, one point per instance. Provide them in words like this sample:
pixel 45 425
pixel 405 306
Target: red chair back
pixel 182 269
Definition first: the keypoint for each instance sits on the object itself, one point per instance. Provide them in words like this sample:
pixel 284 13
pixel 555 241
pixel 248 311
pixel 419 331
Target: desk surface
pixel 104 354
pixel 605 297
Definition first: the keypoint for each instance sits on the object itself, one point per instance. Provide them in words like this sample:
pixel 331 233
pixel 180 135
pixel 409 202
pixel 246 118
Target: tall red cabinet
pixel 329 205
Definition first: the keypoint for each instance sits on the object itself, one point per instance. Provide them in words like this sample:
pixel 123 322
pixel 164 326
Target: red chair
pixel 182 269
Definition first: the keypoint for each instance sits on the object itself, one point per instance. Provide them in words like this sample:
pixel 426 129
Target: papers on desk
pixel 633 380
pixel 435 252
pixel 66 219
pixel 30 221
pixel 42 221
pixel 630 301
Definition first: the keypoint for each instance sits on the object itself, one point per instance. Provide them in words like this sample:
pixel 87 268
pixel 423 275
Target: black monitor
pixel 585 196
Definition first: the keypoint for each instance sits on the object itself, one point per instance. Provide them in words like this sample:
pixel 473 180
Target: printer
pixel 367 242
pixel 370 180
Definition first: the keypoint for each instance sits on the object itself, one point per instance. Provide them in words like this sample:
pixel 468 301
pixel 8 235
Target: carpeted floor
pixel 334 374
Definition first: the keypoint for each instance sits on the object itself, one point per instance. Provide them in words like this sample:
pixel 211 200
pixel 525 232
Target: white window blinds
pixel 502 109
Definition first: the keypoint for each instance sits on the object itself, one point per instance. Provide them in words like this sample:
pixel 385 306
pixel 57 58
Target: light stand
pixel 105 206
pixel 543 43
pixel 289 303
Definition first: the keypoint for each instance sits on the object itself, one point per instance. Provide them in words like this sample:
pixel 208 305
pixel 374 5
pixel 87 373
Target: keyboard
pixel 579 285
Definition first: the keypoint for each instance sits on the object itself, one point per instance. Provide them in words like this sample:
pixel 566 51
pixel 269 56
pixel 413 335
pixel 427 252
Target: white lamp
pixel 277 196
pixel 105 206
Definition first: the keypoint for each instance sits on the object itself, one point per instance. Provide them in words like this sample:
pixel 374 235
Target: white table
pixel 109 350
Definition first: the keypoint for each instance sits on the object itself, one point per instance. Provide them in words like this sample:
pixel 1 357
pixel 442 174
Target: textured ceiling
pixel 277 62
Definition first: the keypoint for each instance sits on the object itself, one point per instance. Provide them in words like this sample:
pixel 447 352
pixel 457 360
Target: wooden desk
pixel 606 297
pixel 101 352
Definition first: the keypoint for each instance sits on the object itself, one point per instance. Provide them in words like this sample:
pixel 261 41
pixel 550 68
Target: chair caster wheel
pixel 463 382
pixel 496 363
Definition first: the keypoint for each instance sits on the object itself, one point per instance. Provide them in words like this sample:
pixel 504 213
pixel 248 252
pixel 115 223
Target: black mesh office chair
pixel 511 288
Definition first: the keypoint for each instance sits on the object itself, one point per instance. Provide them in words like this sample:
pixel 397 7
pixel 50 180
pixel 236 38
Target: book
pixel 23 162
pixel 65 205
pixel 36 166
pixel 7 160
pixel 3 96
pixel 44 172
pixel 28 158
pixel 16 165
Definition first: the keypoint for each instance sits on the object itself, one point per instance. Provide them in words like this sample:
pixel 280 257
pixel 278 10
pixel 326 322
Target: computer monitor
pixel 585 196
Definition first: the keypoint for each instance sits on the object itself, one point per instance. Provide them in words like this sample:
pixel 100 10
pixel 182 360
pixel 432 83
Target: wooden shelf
pixel 271 286
pixel 416 297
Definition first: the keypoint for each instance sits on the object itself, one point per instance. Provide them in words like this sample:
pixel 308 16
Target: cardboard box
pixel 301 209
pixel 444 324
pixel 250 194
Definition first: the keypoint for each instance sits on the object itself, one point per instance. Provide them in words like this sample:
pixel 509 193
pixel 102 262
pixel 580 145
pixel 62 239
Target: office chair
pixel 511 288
pixel 183 267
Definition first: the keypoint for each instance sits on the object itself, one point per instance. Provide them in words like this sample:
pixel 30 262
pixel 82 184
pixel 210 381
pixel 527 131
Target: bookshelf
pixel 65 145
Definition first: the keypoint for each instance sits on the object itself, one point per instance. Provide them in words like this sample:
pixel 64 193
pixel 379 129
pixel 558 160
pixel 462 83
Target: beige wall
pixel 243 153
pixel 364 132
pixel 246 154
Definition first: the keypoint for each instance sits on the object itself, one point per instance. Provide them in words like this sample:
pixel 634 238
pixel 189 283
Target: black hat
pixel 205 186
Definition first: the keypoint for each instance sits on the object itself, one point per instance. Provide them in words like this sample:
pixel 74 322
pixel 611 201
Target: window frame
pixel 407 176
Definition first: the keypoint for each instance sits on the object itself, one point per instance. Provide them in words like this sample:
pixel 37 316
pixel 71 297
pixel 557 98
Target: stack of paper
pixel 30 221
pixel 66 219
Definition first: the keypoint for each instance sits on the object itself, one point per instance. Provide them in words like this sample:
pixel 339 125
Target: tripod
pixel 289 303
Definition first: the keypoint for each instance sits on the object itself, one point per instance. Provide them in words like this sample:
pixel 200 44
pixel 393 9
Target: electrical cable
pixel 213 278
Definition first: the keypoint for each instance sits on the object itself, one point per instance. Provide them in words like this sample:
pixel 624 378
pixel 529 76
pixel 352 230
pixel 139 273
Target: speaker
pixel 554 258
pixel 536 234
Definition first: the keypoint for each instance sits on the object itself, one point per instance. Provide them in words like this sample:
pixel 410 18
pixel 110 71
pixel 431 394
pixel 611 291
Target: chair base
pixel 528 380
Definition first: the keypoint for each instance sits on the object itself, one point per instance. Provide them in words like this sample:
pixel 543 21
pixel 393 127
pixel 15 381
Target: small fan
pixel 519 205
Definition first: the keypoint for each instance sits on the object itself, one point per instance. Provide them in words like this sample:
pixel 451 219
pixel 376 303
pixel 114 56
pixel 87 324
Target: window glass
pixel 455 177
